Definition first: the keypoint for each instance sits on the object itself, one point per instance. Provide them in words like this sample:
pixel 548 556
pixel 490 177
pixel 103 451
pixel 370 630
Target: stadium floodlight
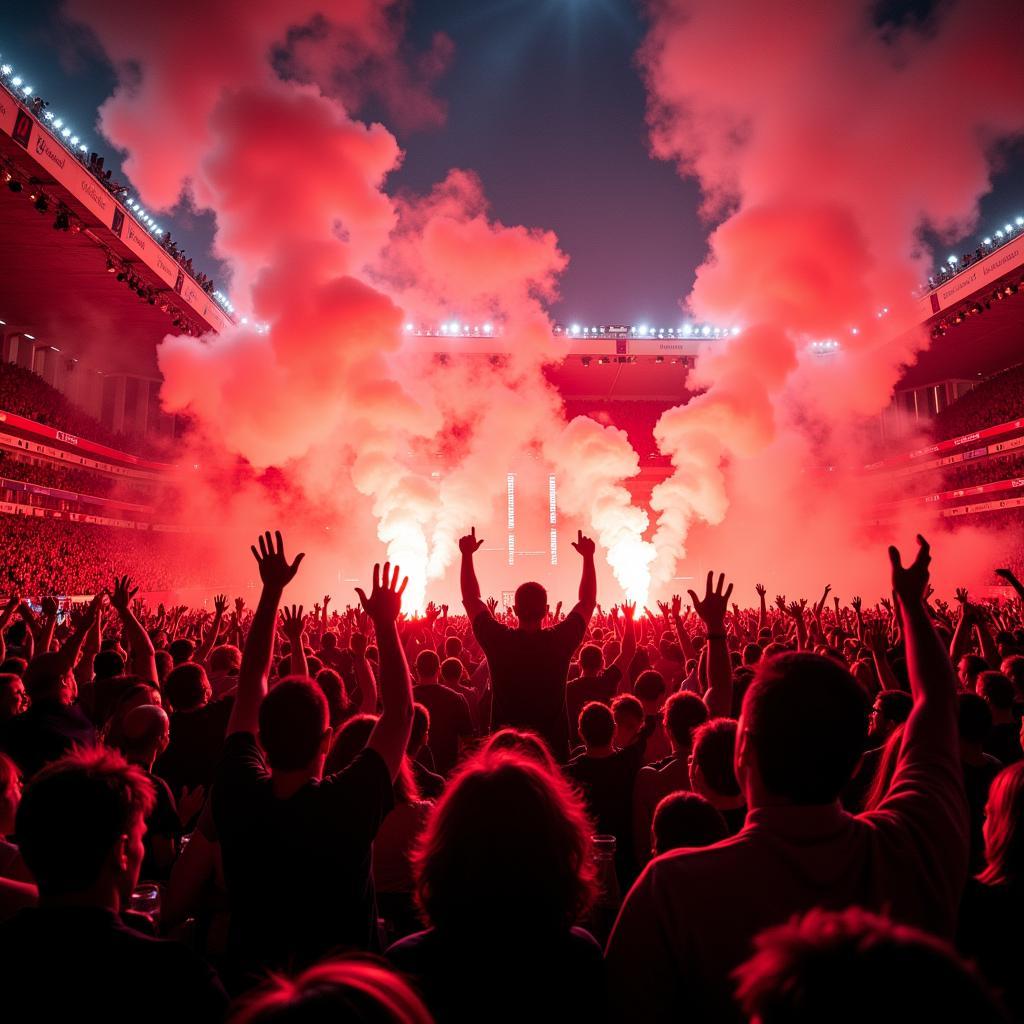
pixel 16 81
pixel 48 115
pixel 408 327
pixel 999 234
pixel 642 330
pixel 687 329
pixel 574 329
pixel 83 148
pixel 1019 222
pixel 488 328
pixel 952 261
pixel 855 330
pixel 66 132
pixel 987 241
pixel 74 140
pixel 5 69
pixel 58 123
pixel 705 330
pixel 27 91
pixel 735 331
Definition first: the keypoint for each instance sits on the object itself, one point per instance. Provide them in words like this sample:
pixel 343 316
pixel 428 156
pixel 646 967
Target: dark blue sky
pixel 545 103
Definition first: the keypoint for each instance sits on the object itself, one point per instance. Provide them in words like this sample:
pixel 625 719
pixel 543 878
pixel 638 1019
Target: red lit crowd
pixel 777 809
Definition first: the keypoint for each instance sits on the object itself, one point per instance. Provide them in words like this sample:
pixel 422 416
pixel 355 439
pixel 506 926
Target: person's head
pixel 531 604
pixel 181 650
pixel 187 687
pixel 451 671
pixel 13 666
pixel 334 691
pixel 145 733
pixel 511 836
pixel 427 667
pixel 596 725
pixel 343 991
pixel 14 698
pixel 969 668
pixel 80 825
pixel 889 709
pixel 1011 667
pixel 10 794
pixel 522 741
pixel 649 689
pixel 107 664
pixel 682 713
pixel 997 691
pixel 685 820
pixel 834 966
pixel 420 731
pixel 712 761
pixel 225 660
pixel 1003 828
pixel 350 742
pixel 295 730
pixel 453 647
pixel 591 660
pixel 164 665
pixel 974 720
pixel 329 642
pixel 628 713
pixel 801 732
pixel 134 693
pixel 48 677
pixel 751 654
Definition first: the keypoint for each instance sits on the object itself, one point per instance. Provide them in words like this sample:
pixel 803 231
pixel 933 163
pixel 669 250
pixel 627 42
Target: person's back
pixel 450 719
pixel 689 920
pixel 529 665
pixel 80 826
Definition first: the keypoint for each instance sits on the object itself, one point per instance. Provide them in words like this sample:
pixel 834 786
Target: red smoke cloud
pixel 824 141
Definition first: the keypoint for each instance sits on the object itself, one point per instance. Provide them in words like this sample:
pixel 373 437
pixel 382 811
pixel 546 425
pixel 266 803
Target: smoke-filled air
pixel 325 409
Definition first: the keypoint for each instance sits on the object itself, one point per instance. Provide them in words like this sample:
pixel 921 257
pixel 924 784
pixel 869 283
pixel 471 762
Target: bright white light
pixel 83 148
pixel 705 330
pixel 31 337
pixel 855 330
pixel 408 327
pixel 489 327
pixel 58 123
pixel 6 69
pixel 1008 228
pixel 27 91
pixel 74 140
pixel 999 234
pixel 952 260
pixel 987 241
pixel 66 132
pixel 574 329
pixel 593 330
pixel 1019 222
pixel 16 80
pixel 48 115
pixel 642 329
pixel 687 329
pixel 735 331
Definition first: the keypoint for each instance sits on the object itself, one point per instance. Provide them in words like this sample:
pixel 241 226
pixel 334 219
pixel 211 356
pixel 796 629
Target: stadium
pixel 620 667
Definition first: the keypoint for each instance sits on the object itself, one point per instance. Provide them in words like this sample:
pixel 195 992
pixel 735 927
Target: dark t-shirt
pixel 449 720
pixel 197 739
pixel 583 689
pixel 47 731
pixel 163 822
pixel 1004 743
pixel 83 963
pixel 528 673
pixel 297 870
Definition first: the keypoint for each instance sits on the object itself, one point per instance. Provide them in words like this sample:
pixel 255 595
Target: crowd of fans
pixel 999 399
pixel 26 394
pixel 789 810
pixel 14 466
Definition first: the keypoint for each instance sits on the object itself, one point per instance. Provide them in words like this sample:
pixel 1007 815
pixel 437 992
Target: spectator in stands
pixel 978 768
pixel 11 864
pixel 272 804
pixel 511 836
pixel 836 966
pixel 451 725
pixel 1003 741
pixel 80 830
pixel 801 733
pixel 529 665
pixel 712 774
pixel 685 820
pixel 891 708
pixel 428 782
pixel 14 698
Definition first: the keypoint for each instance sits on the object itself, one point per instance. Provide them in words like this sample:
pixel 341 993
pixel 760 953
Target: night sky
pixel 544 103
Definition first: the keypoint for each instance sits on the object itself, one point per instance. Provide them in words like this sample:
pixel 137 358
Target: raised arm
pixel 625 658
pixel 143 652
pixel 292 623
pixel 471 601
pixel 390 735
pixel 276 574
pixel 682 634
pixel 72 647
pixel 588 578
pixel 220 606
pixel 364 675
pixel 5 616
pixel 711 610
pixel 1008 575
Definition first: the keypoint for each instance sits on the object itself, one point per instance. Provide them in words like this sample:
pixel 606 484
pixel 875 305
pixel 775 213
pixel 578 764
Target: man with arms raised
pixel 529 664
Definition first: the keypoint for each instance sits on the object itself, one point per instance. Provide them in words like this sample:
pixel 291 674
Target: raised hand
pixel 327 601
pixel 274 568
pixel 780 602
pixel 220 604
pixel 909 584
pixel 795 609
pixel 961 594
pixel 122 594
pixel 629 609
pixel 584 545
pixel 886 604
pixel 492 604
pixel 713 608
pixel 292 623
pixel 50 606
pixel 677 605
pixel 469 545
pixel 239 606
pixel 761 590
pixel 663 608
pixel 857 604
pixel 385 601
